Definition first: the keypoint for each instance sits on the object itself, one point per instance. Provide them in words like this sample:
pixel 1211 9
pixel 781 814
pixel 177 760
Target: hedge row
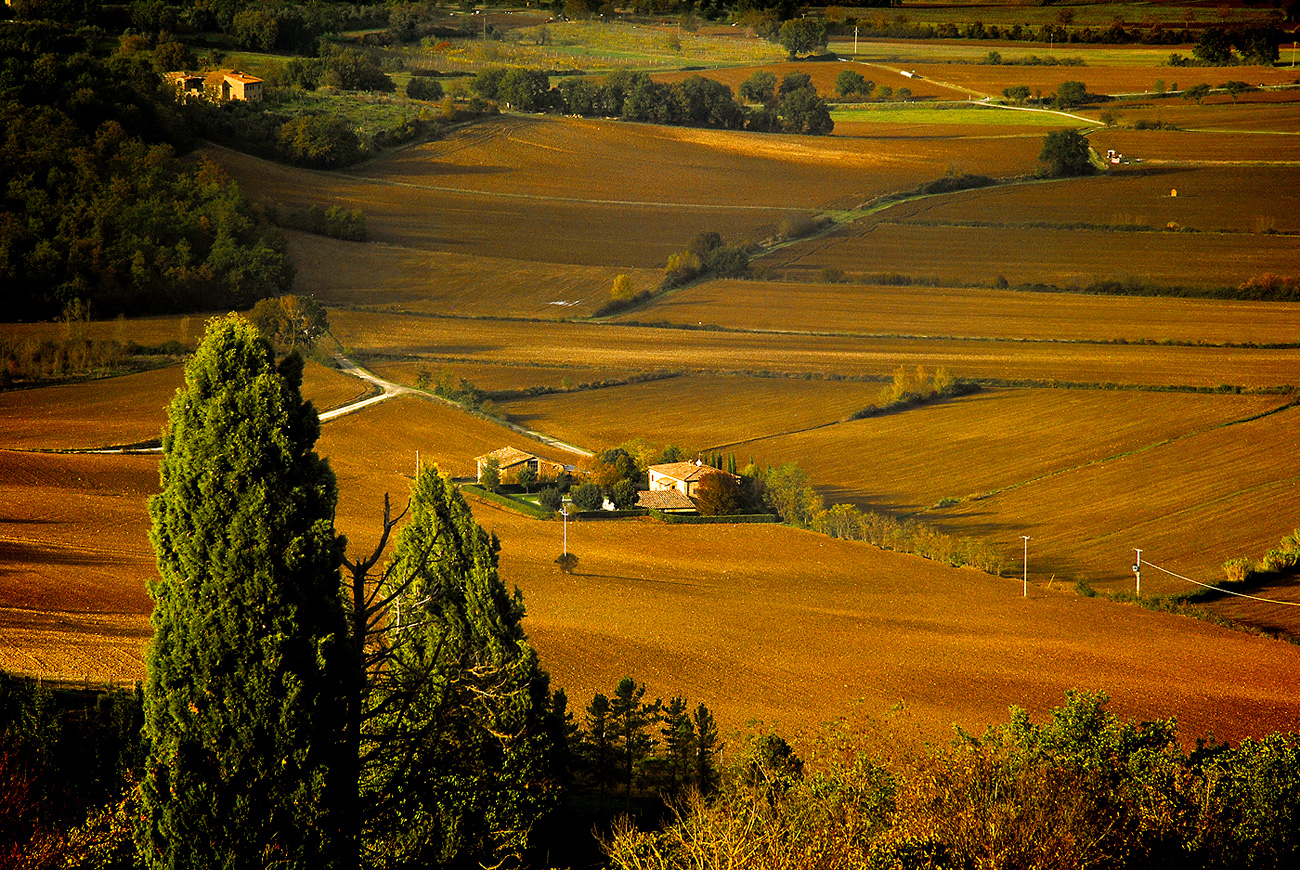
pixel 697 520
pixel 526 508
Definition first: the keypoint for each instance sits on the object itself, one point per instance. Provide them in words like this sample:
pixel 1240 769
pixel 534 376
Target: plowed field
pixel 939 312
pixel 125 410
pixel 1065 258
pixel 504 342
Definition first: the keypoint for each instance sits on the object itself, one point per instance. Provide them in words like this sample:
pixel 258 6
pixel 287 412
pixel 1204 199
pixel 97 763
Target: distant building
pixel 511 461
pixel 219 86
pixel 683 477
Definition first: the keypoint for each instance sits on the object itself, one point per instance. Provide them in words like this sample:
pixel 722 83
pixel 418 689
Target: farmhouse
pixel 683 477
pixel 219 86
pixel 511 461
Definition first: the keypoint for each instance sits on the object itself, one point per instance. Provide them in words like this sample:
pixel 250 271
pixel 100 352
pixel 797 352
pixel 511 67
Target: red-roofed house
pixel 510 461
pixel 681 476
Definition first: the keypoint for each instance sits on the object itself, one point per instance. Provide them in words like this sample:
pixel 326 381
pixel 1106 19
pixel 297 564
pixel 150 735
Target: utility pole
pixel 855 46
pixel 564 512
pixel 1137 571
pixel 1026 579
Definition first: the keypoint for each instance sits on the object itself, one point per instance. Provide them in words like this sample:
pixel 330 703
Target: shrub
pixel 586 496
pixel 550 499
pixel 567 562
pixel 424 88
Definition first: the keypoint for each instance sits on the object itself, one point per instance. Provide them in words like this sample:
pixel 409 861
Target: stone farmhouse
pixel 673 484
pixel 218 86
pixel 510 461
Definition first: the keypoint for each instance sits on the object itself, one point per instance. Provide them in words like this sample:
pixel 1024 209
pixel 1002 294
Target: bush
pixel 424 88
pixel 550 499
pixel 586 496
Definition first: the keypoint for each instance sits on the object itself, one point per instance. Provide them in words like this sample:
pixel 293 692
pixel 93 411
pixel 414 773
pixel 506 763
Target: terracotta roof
pixel 242 77
pixel 683 470
pixel 506 457
pixel 664 500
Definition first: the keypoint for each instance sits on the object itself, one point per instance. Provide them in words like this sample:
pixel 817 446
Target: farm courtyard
pixel 1130 390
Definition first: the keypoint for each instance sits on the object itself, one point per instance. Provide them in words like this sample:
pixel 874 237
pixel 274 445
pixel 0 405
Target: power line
pixel 1219 588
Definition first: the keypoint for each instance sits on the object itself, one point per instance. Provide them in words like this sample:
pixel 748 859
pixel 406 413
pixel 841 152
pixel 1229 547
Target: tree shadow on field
pixel 21 553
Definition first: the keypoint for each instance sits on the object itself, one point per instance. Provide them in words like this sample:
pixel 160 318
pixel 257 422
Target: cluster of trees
pixel 336 221
pixel 696 100
pixel 1066 153
pixel 647 749
pixel 1221 46
pixel 94 207
pixel 1282 559
pixel 291 322
pixel 347 69
pixel 1083 789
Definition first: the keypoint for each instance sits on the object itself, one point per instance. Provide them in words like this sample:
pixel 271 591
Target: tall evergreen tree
pixel 630 719
pixel 456 736
pixel 246 670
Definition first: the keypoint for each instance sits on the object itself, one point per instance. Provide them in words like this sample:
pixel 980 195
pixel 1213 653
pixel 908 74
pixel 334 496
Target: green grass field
pixel 959 114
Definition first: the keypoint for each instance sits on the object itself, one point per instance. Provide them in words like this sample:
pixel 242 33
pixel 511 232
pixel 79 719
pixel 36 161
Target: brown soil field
pixel 1191 504
pixel 795 628
pixel 505 342
pixel 693 412
pixel 127 409
pixel 517 376
pixel 941 312
pixel 422 281
pixel 1064 258
pixel 1164 148
pixel 978 444
pixel 98 647
pixel 1265 113
pixel 1262 198
pixel 1100 78
pixel 74 532
pixel 494 184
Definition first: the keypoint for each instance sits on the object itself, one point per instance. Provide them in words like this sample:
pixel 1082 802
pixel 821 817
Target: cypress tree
pixel 246 670
pixel 456 737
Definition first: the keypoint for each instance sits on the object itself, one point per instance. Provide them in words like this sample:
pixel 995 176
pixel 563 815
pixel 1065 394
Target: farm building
pixel 683 477
pixel 510 461
pixel 219 86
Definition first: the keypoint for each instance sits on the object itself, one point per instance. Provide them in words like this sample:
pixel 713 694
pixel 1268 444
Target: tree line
pixel 794 107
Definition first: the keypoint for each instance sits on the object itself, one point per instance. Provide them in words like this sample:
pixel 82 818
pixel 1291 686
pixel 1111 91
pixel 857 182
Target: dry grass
pixel 972 313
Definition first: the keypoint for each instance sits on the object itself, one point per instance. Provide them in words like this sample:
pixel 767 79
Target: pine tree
pixel 629 722
pixel 706 749
pixel 246 670
pixel 456 733
pixel 679 743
